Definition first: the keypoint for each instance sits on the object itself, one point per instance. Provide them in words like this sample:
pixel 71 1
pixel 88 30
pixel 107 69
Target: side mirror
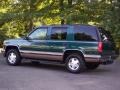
pixel 26 38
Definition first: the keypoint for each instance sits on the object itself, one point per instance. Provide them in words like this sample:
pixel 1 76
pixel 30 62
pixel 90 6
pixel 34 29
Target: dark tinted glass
pixel 85 33
pixel 58 33
pixel 105 35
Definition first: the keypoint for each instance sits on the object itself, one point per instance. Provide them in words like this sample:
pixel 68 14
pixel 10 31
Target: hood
pixel 11 41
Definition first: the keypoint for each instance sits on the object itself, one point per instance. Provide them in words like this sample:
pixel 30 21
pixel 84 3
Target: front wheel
pixel 75 63
pixel 13 57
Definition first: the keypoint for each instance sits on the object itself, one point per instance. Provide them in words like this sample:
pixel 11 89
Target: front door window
pixel 38 34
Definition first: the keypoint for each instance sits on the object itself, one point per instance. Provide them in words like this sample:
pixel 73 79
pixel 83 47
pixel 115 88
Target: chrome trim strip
pixel 42 56
pixel 70 41
pixel 41 52
pixel 92 56
pixel 85 55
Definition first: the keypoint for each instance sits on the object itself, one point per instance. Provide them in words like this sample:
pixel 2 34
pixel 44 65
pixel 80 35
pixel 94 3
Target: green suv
pixel 77 46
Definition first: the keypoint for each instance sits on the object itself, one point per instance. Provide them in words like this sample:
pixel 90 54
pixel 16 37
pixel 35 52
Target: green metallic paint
pixel 56 46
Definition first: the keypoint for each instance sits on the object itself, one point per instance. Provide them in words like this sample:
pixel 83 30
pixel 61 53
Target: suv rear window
pixel 82 33
pixel 105 35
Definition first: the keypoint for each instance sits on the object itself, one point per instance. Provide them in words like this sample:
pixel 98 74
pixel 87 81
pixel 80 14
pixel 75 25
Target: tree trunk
pixel 31 25
pixel 61 11
pixel 32 8
pixel 69 3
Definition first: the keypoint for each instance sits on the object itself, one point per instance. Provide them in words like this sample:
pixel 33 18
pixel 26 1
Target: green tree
pixel 19 16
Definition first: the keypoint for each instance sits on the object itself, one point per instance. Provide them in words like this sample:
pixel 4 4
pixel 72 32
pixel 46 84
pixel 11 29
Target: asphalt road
pixel 54 77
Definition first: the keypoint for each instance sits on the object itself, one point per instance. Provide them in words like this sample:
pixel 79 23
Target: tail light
pixel 100 47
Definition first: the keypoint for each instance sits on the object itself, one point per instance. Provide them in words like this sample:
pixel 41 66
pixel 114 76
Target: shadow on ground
pixel 59 67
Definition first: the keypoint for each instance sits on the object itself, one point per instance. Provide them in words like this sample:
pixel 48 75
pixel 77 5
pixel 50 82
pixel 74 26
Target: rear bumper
pixel 107 60
pixel 100 59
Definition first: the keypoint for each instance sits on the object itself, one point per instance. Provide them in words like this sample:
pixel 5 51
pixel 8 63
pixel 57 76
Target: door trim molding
pixel 41 52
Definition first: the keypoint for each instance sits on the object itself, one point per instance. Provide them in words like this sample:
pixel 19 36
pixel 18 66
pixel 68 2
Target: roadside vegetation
pixel 17 17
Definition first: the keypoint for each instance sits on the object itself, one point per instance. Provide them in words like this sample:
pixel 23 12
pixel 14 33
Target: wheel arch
pixel 68 52
pixel 10 47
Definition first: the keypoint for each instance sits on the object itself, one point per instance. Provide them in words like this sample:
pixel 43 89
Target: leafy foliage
pixel 19 16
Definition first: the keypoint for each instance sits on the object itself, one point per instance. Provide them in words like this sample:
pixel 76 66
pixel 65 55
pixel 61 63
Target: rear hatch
pixel 108 44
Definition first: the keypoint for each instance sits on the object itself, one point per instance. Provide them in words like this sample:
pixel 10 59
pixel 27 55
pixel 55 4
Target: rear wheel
pixel 75 63
pixel 13 57
pixel 92 66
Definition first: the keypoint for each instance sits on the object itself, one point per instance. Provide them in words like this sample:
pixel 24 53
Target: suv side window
pixel 58 33
pixel 85 34
pixel 39 34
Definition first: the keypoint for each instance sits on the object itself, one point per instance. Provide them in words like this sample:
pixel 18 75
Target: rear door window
pixel 58 33
pixel 85 33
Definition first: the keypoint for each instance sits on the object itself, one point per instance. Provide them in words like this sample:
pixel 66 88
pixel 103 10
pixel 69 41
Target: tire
pixel 92 66
pixel 13 57
pixel 75 63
